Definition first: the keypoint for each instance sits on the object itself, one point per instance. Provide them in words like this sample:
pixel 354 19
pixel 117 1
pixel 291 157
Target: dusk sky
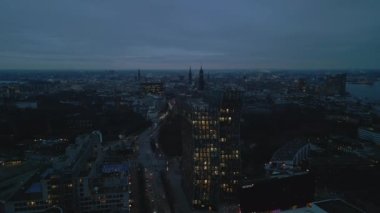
pixel 174 34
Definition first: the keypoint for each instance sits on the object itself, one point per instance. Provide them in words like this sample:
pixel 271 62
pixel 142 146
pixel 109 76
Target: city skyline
pixel 146 106
pixel 172 35
pixel 157 142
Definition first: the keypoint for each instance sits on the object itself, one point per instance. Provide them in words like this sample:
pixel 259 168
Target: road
pixel 153 166
pixel 181 204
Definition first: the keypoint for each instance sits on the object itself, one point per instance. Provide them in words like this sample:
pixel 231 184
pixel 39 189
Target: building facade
pixel 229 140
pixel 201 156
pixel 211 154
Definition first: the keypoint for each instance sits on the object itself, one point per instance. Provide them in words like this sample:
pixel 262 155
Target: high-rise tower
pixel 211 149
pixel 201 80
pixel 190 76
pixel 201 155
pixel 229 140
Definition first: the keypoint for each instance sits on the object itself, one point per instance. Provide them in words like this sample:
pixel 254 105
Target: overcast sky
pixel 174 34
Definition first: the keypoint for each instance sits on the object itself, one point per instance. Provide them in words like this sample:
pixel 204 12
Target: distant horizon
pixel 194 69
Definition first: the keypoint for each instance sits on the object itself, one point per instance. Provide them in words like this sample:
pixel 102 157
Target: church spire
pixel 201 80
pixel 190 76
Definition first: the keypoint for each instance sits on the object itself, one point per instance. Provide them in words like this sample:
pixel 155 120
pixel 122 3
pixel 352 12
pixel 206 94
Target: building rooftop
pixel 327 206
pixel 111 168
pixel 337 205
pixel 30 189
pixel 288 151
pixel 35 188
pixel 198 104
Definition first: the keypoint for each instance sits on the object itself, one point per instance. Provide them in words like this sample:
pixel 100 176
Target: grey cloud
pixel 150 34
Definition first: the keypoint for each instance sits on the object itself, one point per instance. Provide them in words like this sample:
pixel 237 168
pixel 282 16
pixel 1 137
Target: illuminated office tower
pixel 229 142
pixel 201 155
pixel 211 155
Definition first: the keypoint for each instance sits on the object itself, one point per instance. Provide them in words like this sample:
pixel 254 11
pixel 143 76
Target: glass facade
pixel 229 128
pixel 205 157
pixel 211 151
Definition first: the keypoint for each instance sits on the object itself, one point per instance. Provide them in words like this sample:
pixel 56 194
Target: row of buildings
pixel 82 180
